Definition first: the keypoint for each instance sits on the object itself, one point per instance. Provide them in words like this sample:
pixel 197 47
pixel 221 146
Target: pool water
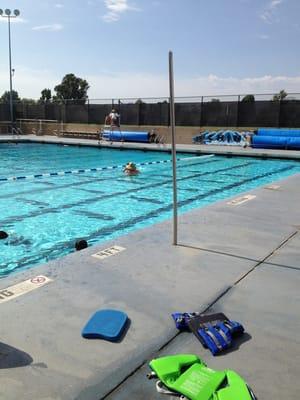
pixel 45 215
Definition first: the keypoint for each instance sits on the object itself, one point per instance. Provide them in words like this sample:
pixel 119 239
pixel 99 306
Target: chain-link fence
pixel 226 111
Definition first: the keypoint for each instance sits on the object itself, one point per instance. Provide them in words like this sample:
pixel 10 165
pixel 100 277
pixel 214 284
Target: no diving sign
pixel 38 280
pixel 23 287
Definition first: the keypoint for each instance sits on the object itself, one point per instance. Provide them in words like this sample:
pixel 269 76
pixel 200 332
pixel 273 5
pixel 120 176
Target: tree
pixel 5 98
pixel 45 96
pixel 139 101
pixel 280 96
pixel 72 88
pixel 215 100
pixel 249 98
pixel 26 100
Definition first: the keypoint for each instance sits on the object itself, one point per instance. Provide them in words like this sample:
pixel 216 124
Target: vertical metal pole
pixel 238 111
pixel 227 114
pixel 119 112
pixel 10 79
pixel 201 111
pixel 172 121
pixel 279 112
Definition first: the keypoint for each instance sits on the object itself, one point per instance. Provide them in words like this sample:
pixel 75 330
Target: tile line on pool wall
pixel 16 218
pixel 101 233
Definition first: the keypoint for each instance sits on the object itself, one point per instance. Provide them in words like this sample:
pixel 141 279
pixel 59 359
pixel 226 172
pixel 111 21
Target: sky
pixel 121 46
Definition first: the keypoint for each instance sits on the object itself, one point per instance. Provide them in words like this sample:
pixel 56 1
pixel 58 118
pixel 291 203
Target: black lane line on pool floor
pixel 93 169
pixel 94 215
pixel 205 310
pixel 101 233
pixel 32 202
pixel 76 184
pixel 168 207
pixel 54 187
pixel 91 191
pixel 95 199
pixel 146 200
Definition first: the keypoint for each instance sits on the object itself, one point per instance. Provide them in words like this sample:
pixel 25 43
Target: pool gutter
pixel 187 148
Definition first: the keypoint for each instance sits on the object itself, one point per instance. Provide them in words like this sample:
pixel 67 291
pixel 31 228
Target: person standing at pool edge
pixel 113 118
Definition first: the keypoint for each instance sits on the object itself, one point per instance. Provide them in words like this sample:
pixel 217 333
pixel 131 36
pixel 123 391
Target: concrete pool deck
pixel 240 259
pixel 198 148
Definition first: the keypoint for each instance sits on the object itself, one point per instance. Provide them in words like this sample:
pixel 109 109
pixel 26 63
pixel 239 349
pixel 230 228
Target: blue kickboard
pixel 105 324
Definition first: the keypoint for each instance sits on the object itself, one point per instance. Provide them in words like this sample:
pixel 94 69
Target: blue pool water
pixel 44 216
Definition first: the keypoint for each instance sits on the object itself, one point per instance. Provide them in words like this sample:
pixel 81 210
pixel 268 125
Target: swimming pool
pixel 44 215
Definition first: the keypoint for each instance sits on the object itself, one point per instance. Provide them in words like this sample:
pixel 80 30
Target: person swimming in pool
pixel 131 169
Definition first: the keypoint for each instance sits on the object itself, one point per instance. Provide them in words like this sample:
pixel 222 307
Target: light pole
pixel 172 122
pixel 8 14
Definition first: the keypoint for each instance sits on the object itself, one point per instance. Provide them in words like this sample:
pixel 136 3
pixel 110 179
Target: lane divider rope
pixel 80 171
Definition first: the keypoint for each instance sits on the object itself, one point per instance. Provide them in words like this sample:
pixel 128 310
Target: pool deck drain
pixel 243 261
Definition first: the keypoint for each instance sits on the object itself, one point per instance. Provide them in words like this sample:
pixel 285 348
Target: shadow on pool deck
pixel 10 357
pixel 241 260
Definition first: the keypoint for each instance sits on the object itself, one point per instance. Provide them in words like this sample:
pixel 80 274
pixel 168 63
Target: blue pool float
pixel 278 132
pixel 126 136
pixel 105 324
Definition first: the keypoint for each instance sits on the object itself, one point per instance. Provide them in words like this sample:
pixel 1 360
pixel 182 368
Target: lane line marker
pixel 241 200
pixel 111 251
pixel 24 287
pixel 272 187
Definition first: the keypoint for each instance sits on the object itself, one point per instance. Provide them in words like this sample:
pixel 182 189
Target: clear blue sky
pixel 121 46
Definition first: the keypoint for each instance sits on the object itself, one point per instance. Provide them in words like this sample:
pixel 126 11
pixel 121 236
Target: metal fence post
pixel 64 111
pixel 88 110
pixel 201 112
pixel 279 112
pixel 227 115
pixel 237 111
pixel 139 114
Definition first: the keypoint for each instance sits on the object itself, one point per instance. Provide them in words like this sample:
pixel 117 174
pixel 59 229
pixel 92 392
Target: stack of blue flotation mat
pixel 221 137
pixel 277 138
pixel 126 136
